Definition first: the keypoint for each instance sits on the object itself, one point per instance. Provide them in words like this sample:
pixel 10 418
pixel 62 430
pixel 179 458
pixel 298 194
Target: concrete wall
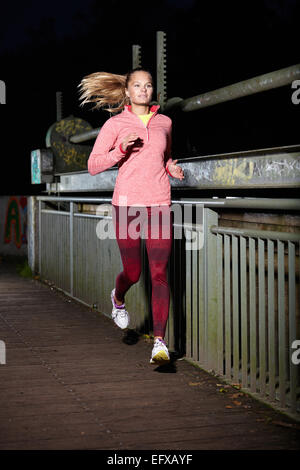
pixel 13 225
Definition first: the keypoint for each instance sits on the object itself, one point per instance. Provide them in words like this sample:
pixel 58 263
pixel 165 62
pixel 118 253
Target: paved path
pixel 72 380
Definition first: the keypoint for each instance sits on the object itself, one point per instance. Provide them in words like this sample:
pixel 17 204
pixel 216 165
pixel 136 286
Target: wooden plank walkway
pixel 72 380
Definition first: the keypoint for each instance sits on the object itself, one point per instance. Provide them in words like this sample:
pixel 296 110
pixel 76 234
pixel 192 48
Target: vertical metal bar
pixel 136 56
pixel 211 317
pixel 188 299
pixel 227 307
pixel 252 309
pixel 220 322
pixel 235 309
pixel 271 321
pixel 2 92
pixel 205 285
pixel 244 319
pixel 202 301
pixel 195 311
pixel 281 324
pixel 71 228
pixel 262 316
pixel 40 237
pixel 180 334
pixel 59 106
pixel 161 67
pixel 292 324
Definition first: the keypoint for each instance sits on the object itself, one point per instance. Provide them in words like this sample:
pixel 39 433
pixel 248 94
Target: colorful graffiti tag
pixel 16 221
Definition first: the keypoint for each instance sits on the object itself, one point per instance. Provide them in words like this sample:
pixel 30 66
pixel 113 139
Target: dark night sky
pixel 45 47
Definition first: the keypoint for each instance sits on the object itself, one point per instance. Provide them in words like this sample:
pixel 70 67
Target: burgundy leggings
pixel 154 223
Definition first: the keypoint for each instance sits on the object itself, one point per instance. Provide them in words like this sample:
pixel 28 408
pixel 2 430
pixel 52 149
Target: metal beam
pixel 262 168
pixel 275 79
pixel 240 171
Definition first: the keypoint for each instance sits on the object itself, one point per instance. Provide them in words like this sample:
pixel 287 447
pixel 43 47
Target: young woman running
pixel 138 140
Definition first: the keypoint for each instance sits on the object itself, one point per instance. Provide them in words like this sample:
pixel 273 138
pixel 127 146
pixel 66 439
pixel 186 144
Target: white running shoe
pixel 119 314
pixel 160 353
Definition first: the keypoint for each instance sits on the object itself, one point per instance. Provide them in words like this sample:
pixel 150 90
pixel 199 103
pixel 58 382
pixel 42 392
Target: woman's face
pixel 140 88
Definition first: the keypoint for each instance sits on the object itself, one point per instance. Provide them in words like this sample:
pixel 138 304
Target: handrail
pixel 241 203
pixel 266 234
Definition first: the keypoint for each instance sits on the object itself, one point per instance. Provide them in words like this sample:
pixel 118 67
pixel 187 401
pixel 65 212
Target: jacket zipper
pixel 147 127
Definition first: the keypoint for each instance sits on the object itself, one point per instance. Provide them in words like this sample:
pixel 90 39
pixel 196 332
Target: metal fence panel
pixel 55 244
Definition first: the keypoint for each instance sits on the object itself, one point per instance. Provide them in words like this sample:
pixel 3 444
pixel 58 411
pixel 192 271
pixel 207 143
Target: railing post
pixel 33 233
pixel 71 245
pixel 210 289
pixel 40 236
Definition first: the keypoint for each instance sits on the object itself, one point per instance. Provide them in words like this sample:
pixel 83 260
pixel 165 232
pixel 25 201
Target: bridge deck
pixel 72 380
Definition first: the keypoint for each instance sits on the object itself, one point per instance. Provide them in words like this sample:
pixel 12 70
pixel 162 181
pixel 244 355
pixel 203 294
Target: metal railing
pixel 242 309
pixel 234 306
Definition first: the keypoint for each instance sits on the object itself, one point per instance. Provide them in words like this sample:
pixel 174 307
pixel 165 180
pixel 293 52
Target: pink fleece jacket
pixel 142 178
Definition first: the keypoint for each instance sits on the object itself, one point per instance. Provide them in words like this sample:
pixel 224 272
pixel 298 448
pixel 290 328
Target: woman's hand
pixel 129 140
pixel 175 170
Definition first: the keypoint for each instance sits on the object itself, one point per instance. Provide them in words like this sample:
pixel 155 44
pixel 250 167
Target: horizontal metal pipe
pixel 88 135
pixel 53 211
pixel 185 225
pixel 73 199
pixel 242 203
pixel 246 203
pixel 92 216
pixel 265 234
pixel 251 86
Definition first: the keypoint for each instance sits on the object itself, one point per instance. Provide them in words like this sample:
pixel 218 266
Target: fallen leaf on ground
pixel 236 395
pixel 238 386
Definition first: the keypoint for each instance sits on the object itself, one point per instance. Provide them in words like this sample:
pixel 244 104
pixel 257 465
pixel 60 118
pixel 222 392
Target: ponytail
pixel 107 90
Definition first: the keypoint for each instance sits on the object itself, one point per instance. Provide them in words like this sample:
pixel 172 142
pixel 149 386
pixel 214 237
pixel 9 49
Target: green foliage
pixel 23 269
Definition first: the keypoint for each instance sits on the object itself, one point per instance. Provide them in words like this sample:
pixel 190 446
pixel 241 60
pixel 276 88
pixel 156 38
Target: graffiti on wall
pixel 15 230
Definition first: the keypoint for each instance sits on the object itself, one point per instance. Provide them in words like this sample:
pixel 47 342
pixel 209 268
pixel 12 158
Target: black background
pixel 46 48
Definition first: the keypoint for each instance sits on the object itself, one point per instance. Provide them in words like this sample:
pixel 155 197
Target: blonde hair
pixel 107 90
